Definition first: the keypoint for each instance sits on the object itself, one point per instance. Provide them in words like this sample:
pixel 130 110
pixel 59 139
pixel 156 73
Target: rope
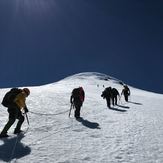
pixel 36 113
pixel 13 150
pixel 16 141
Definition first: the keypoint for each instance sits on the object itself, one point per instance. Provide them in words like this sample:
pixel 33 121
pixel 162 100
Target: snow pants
pixel 14 113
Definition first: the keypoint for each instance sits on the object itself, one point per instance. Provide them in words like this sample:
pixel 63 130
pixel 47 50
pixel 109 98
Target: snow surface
pixel 129 133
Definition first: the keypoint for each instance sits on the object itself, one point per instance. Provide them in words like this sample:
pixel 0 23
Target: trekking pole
pixel 119 99
pixel 27 118
pixel 70 109
pixel 129 97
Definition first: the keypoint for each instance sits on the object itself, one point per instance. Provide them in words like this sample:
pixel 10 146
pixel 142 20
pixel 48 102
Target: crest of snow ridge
pixel 96 75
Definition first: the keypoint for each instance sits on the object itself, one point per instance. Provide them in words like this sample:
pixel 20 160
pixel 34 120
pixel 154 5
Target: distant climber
pixel 114 96
pixel 14 100
pixel 77 99
pixel 107 94
pixel 126 92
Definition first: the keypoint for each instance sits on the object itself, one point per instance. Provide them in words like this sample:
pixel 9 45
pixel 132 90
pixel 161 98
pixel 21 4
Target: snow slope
pixel 129 133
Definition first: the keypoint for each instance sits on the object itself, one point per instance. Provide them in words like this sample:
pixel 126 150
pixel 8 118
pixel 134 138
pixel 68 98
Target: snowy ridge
pixel 128 133
pixel 95 75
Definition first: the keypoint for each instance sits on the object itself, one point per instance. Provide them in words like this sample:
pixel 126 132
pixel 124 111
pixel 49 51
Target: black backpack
pixel 9 97
pixel 76 93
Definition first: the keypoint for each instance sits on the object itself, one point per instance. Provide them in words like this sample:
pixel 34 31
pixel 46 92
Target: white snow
pixel 129 133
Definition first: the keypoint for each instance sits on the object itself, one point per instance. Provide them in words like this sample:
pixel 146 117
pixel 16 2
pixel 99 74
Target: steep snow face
pixel 129 133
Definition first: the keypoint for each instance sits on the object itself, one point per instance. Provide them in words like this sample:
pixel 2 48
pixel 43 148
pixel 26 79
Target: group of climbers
pixel 110 94
pixel 15 99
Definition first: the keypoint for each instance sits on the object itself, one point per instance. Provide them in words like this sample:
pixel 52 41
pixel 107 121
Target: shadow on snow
pixel 122 106
pixel 137 103
pixel 12 148
pixel 116 109
pixel 92 125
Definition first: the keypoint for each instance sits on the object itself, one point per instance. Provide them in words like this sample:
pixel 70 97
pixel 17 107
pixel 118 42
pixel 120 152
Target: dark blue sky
pixel 43 41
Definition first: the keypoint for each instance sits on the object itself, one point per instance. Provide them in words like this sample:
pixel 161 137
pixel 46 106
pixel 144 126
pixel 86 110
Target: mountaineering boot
pixel 3 135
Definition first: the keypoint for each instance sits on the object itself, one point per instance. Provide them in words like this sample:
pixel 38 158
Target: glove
pixel 26 109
